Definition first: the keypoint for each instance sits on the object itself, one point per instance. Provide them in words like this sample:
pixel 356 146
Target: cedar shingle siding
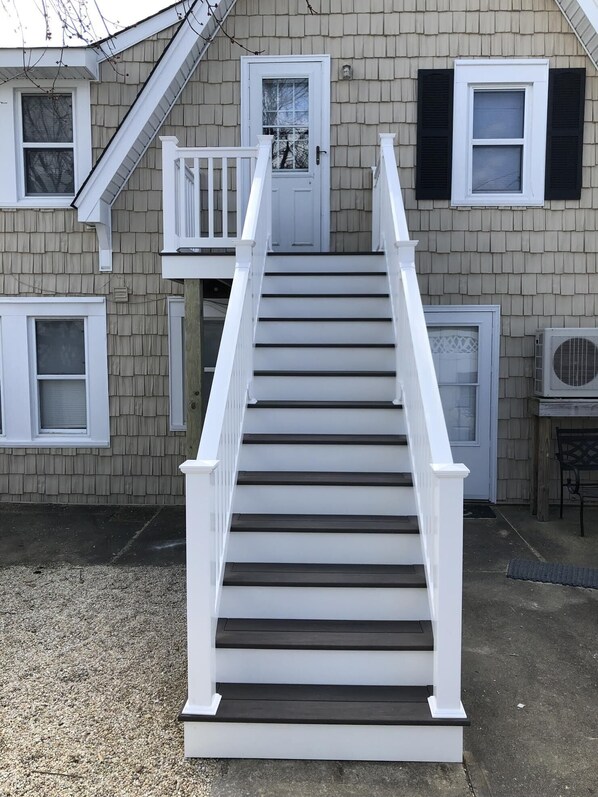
pixel 539 264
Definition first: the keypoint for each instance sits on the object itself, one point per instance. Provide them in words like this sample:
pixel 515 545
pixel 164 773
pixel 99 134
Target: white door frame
pixel 460 313
pixel 324 60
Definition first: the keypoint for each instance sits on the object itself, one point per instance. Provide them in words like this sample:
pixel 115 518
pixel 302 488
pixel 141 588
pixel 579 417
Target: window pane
pixel 211 340
pixel 60 346
pixel 47 118
pixel 455 355
pixel 498 114
pixel 49 171
pixel 62 404
pixel 459 405
pixel 285 116
pixel 497 169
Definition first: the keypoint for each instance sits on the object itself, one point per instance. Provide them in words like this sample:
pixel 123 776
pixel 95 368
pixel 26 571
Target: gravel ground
pixel 92 675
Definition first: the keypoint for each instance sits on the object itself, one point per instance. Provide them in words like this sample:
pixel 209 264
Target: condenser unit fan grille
pixel 575 361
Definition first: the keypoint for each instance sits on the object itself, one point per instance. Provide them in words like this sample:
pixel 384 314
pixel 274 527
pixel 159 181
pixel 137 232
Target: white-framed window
pixel 214 313
pixel 499 135
pixel 54 372
pixel 45 142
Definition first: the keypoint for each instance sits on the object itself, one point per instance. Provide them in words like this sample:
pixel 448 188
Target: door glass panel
pixel 285 115
pixel 455 355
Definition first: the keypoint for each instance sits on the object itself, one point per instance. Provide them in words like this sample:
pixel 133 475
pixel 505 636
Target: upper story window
pixel 499 137
pixel 48 140
pixel 45 142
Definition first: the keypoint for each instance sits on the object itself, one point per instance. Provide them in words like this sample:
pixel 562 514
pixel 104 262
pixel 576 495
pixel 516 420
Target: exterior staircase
pixel 323 633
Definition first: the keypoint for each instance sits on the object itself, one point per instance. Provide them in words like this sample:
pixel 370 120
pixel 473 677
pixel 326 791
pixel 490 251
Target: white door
pixel 289 99
pixel 464 343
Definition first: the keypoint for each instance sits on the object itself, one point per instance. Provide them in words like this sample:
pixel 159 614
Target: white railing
pixel 203 194
pixel 211 478
pixel 438 482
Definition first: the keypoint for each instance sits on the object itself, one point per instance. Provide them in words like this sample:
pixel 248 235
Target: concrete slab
pixel 530 663
pixel 46 535
pixel 246 778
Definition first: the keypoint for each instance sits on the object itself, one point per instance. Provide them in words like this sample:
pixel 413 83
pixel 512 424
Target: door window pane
pixel 285 115
pixel 455 355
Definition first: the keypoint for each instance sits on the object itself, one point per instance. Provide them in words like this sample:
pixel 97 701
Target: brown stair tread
pixel 325 345
pixel 386 319
pixel 324 295
pixel 381 524
pixel 251 634
pixel 323 705
pixel 324 478
pixel 307 404
pixel 323 372
pixel 327 439
pixel 326 274
pixel 274 574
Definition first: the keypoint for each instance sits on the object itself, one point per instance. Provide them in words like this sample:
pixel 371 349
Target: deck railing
pixel 203 194
pixel 211 477
pixel 437 480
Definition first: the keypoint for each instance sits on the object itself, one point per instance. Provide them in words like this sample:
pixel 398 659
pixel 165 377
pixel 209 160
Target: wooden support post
pixel 193 364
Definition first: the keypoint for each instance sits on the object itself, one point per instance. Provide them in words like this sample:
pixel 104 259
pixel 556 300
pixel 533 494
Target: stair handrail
pixel 438 481
pixel 210 478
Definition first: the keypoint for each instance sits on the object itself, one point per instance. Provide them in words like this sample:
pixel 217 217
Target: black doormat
pixel 568 575
pixel 474 511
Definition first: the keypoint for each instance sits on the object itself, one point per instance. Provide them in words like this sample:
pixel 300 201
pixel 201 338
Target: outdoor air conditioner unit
pixel 567 363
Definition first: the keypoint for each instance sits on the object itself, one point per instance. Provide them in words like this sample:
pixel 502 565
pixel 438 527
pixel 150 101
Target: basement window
pixel 54 372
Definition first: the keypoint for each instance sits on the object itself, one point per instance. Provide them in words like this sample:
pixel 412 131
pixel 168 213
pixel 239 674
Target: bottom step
pixel 296 721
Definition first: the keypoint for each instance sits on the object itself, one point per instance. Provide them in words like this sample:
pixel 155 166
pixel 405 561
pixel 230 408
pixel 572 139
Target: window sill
pixel 55 442
pixel 497 202
pixel 39 204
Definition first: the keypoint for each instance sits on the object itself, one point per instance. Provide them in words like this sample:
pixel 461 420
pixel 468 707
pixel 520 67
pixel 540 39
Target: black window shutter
pixel 564 134
pixel 434 134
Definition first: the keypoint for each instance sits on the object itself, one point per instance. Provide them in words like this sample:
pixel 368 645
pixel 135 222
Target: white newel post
pixel 201 588
pixel 169 200
pixel 446 700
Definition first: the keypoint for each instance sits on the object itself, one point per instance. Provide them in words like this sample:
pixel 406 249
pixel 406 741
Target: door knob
pixel 318 153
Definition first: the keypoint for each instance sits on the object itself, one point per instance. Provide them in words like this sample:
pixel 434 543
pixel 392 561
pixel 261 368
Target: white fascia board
pixel 586 28
pixel 129 37
pixel 23 60
pixel 145 106
pixel 590 9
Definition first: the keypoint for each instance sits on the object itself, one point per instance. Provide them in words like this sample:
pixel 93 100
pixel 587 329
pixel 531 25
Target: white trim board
pixel 139 31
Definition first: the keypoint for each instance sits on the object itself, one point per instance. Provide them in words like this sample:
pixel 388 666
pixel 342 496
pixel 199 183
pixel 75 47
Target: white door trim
pixel 460 313
pixel 324 60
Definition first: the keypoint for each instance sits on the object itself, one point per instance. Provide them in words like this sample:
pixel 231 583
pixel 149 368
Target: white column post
pixel 201 590
pixel 265 143
pixel 169 198
pixel 447 591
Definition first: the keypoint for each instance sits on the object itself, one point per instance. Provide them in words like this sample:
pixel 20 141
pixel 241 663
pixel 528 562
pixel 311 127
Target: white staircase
pixel 323 633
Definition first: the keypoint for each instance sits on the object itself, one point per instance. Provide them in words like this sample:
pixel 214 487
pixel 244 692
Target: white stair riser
pixel 348 667
pixel 324 307
pixel 325 388
pixel 339 359
pixel 325 421
pixel 325 603
pixel 323 742
pixel 324 500
pixel 360 458
pixel 341 283
pixel 340 262
pixel 325 332
pixel 325 548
